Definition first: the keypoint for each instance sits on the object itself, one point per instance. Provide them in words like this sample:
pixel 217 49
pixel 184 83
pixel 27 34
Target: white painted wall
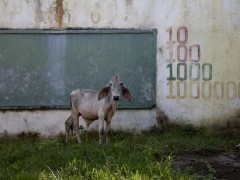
pixel 212 26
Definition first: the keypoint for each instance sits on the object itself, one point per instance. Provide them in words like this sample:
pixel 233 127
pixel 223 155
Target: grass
pixel 128 156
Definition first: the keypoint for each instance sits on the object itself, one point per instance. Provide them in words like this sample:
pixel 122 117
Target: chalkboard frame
pixel 146 92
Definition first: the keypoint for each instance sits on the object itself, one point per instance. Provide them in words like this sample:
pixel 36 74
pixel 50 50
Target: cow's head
pixel 115 88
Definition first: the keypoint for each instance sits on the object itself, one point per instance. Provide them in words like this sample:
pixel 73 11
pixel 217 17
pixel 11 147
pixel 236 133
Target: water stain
pixel 59 13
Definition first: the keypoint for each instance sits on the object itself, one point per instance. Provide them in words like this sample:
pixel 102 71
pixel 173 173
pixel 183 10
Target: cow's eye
pixel 110 84
pixel 121 84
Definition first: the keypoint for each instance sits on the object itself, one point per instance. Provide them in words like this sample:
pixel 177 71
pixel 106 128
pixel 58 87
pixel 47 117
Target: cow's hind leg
pixel 68 128
pixel 76 127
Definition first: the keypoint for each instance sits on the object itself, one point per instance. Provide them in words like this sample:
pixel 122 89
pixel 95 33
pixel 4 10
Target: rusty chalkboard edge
pixel 78 31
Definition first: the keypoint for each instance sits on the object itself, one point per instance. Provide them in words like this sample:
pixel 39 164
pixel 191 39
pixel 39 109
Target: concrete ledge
pixel 51 122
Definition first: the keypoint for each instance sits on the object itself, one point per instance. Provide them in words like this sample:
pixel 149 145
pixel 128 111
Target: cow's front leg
pixel 108 126
pixel 67 129
pixel 101 130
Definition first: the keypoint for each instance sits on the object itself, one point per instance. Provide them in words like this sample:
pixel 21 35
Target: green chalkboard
pixel 40 68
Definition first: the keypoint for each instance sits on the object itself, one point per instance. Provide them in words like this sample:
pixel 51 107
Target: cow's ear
pixel 126 93
pixel 103 92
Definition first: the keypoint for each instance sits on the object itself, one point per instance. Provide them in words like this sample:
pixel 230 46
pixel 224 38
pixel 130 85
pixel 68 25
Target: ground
pixel 222 165
pixel 181 152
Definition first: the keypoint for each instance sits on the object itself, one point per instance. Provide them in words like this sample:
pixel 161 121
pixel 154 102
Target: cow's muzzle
pixel 116 98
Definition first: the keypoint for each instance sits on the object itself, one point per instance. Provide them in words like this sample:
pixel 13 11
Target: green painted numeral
pixel 170 78
pixel 184 70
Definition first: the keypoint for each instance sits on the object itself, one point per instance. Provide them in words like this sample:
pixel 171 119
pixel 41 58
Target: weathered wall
pixel 198 59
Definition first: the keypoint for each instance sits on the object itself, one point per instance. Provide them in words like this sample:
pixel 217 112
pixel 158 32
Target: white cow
pixel 93 105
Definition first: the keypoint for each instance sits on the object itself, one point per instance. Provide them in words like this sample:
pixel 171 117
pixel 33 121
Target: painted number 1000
pixel 193 71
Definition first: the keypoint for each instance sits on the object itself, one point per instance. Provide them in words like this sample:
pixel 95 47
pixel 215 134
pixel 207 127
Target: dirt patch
pixel 220 166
